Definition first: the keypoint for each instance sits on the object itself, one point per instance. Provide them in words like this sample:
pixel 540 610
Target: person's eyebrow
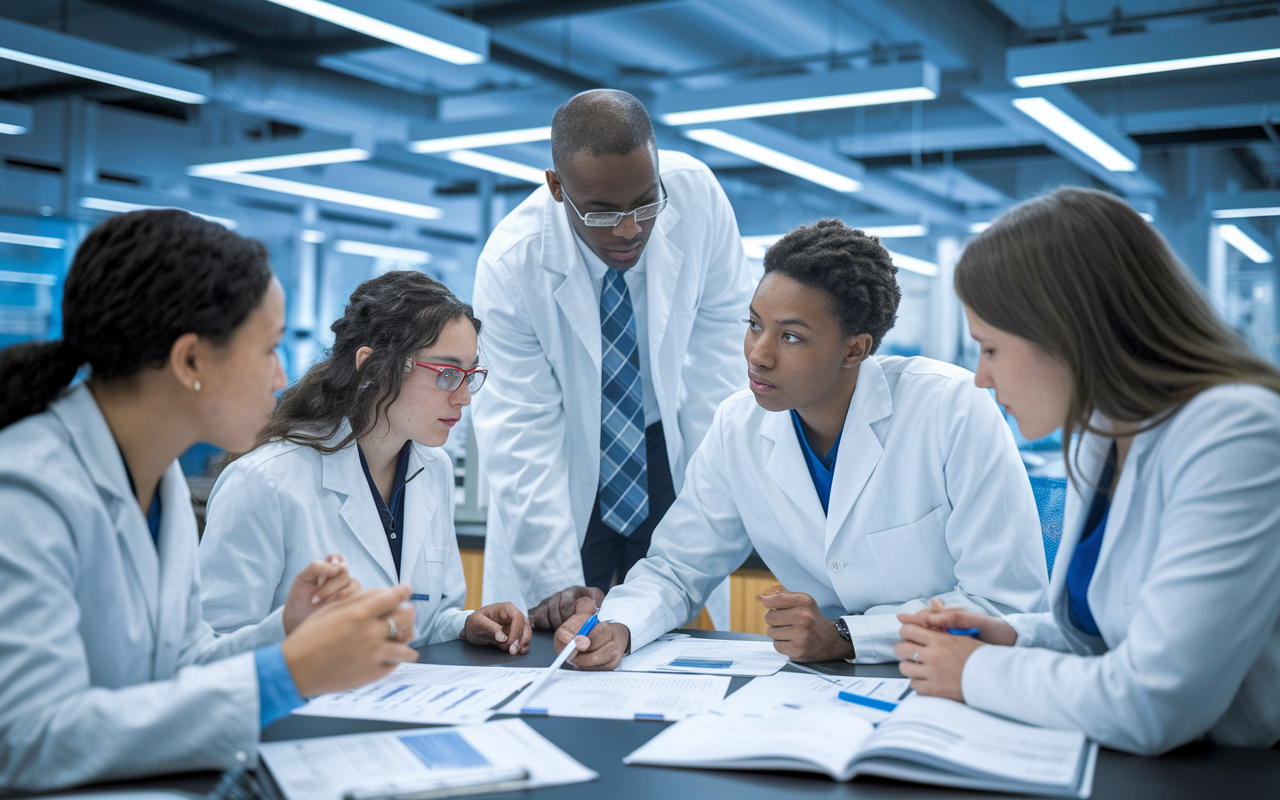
pixel 613 206
pixel 796 321
pixel 445 360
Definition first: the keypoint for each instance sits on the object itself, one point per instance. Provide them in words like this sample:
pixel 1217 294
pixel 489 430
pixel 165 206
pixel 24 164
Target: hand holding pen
pixel 961 622
pixel 603 646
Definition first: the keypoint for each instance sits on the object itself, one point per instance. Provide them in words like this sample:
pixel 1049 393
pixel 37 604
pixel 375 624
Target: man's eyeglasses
pixel 612 219
pixel 450 378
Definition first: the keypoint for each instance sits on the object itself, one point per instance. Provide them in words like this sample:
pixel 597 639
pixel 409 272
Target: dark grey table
pixel 1195 771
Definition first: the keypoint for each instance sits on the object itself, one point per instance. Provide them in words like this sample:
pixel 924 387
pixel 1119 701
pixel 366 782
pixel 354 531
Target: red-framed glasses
pixel 450 377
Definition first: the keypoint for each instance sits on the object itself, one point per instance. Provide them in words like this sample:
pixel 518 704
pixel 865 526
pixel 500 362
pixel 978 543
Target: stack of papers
pixel 679 652
pixel 433 694
pixel 499 755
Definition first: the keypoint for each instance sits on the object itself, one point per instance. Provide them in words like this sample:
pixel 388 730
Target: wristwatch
pixel 843 629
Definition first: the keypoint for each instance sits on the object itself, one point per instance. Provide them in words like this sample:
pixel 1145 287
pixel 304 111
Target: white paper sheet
pixel 427 693
pixel 390 763
pixel 789 691
pixel 706 656
pixel 623 695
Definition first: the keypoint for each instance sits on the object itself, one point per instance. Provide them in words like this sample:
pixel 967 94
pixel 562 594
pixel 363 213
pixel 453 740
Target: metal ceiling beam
pixel 518 12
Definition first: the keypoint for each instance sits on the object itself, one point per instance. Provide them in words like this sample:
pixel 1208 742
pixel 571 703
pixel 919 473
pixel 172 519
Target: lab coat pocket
pixel 913 559
pixel 428 584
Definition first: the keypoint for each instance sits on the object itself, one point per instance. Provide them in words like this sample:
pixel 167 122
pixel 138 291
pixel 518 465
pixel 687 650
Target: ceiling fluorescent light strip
pixel 1245 243
pixel 798 106
pixel 341 14
pixel 34 278
pixel 501 166
pixel 121 207
pixel 1145 68
pixel 14 130
pixel 27 240
pixel 330 195
pixel 356 248
pixel 895 231
pixel 312 236
pixel 472 141
pixel 773 158
pixel 913 264
pixel 101 76
pixel 1075 134
pixel 1244 213
pixel 288 161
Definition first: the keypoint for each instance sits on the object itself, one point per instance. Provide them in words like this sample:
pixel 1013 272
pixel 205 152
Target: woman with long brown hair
pixel 1165 609
pixel 351 463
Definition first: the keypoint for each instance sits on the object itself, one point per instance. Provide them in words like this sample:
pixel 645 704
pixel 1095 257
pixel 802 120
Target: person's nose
pixel 627 228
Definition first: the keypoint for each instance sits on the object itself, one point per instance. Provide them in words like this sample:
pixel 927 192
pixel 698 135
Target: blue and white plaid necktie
pixel 624 479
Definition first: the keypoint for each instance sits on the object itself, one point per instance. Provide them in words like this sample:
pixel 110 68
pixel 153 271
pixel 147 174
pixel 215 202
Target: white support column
pixel 475 489
pixel 1216 279
pixel 943 341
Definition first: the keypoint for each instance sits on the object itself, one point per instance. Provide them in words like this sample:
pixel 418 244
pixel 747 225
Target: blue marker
pixel 963 632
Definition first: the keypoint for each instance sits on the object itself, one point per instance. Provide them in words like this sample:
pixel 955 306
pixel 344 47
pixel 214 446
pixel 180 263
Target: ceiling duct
pixel 320 100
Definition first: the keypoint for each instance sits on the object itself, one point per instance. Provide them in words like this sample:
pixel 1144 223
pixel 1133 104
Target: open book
pixel 925 740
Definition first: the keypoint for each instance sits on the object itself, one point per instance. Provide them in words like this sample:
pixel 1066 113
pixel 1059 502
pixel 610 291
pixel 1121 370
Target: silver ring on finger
pixel 916 657
pixel 393 630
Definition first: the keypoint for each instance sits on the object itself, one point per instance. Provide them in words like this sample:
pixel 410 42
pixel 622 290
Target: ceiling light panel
pixel 733 138
pixel 797 95
pixel 28 240
pixel 438 34
pixel 1074 133
pixel 15 118
pixel 41 47
pixel 123 207
pixel 1144 53
pixel 330 195
pixel 501 166
pixel 286 161
pixel 1252 249
pixel 356 248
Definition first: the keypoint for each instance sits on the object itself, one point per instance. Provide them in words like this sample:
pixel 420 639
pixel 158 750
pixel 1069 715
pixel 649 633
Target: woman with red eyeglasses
pixel 350 463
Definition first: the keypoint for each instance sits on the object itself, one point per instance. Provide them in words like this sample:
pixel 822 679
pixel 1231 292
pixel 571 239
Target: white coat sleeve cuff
pixel 1036 630
pixel 641 622
pixel 873 637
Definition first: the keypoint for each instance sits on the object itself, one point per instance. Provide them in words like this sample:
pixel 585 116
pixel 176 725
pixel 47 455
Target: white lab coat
pixel 929 499
pixel 538 418
pixel 1186 592
pixel 284 505
pixel 106 668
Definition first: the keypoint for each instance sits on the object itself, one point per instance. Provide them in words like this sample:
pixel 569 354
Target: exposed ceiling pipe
pixel 320 99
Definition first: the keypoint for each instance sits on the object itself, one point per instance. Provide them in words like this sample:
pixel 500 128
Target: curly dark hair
pixel 396 314
pixel 137 283
pixel 853 268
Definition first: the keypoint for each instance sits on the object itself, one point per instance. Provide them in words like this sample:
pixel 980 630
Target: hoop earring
pixel 196 386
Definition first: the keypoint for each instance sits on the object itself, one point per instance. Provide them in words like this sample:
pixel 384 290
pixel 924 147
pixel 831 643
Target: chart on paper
pixel 623 695
pixel 683 653
pixel 427 693
pixel 790 691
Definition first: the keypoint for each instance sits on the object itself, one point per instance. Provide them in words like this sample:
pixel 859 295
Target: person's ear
pixel 362 355
pixel 553 183
pixel 186 358
pixel 857 349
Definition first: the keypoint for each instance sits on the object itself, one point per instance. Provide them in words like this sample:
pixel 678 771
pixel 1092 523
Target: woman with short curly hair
pixel 868 484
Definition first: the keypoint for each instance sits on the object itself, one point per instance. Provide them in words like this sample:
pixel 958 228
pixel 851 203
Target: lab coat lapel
pixel 575 294
pixel 786 466
pixel 663 262
pixel 860 449
pixel 92 440
pixel 178 540
pixel 420 505
pixel 343 474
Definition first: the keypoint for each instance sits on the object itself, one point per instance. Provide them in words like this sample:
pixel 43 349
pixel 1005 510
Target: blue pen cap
pixel 963 632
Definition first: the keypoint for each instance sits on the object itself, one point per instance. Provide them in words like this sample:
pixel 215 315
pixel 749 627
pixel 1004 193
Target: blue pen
pixel 568 650
pixel 963 632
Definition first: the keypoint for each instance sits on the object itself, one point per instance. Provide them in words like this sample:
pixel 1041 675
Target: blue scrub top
pixel 1085 558
pixel 820 469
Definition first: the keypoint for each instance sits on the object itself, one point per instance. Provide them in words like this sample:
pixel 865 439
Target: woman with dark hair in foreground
pixel 107 669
